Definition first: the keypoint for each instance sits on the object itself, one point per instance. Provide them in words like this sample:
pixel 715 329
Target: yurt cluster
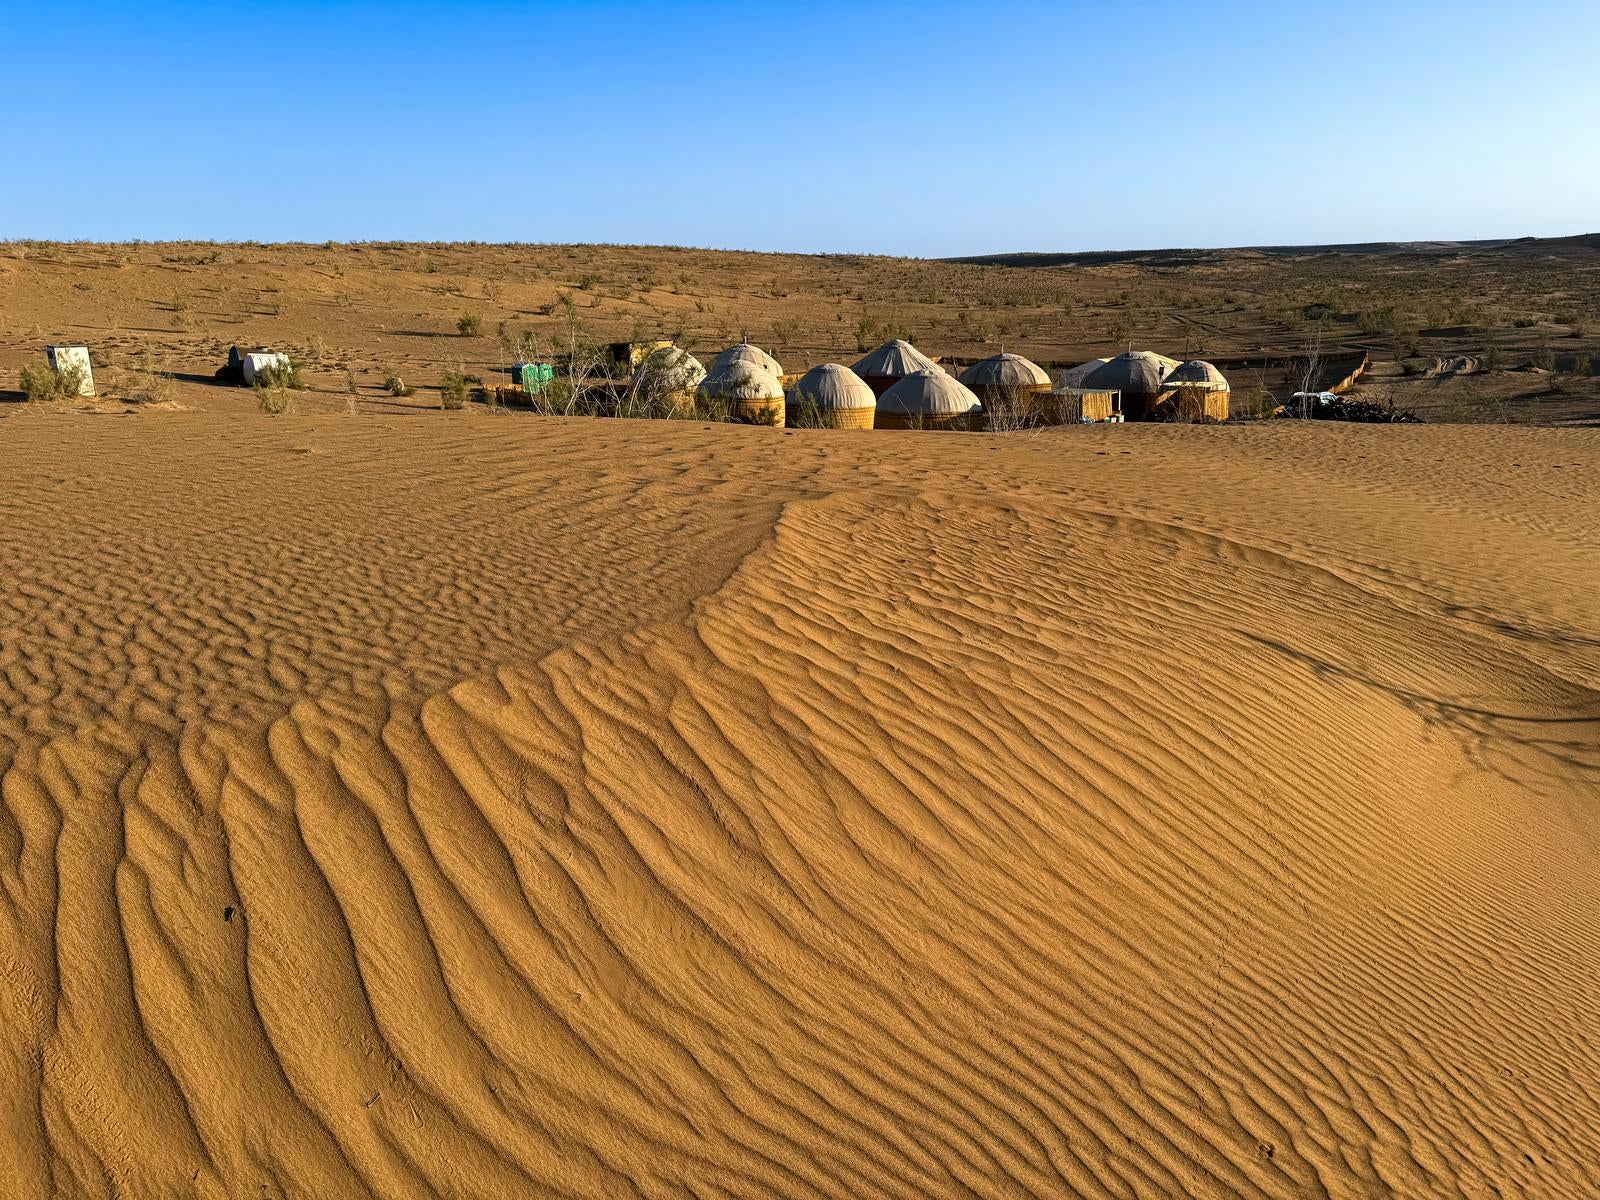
pixel 896 386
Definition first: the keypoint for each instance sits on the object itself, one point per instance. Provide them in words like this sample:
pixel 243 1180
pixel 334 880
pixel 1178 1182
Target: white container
pixel 73 356
pixel 253 364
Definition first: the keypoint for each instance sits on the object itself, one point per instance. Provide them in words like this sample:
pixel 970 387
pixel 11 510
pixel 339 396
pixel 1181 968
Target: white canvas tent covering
pixel 746 353
pixel 669 370
pixel 1197 373
pixel 1138 373
pixel 1005 371
pixel 739 380
pixel 1072 377
pixel 63 357
pixel 254 363
pixel 893 360
pixel 930 392
pixel 832 388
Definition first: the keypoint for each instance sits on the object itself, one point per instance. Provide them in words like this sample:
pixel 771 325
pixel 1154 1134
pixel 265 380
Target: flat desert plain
pixel 464 806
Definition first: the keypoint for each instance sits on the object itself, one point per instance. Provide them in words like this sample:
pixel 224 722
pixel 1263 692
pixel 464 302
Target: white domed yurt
pixel 929 399
pixel 752 395
pixel 891 362
pixel 831 397
pixel 1010 383
pixel 1200 391
pixel 744 352
pixel 1140 376
pixel 667 378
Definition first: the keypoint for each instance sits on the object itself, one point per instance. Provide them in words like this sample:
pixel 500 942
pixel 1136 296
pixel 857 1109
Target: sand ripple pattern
pixel 928 829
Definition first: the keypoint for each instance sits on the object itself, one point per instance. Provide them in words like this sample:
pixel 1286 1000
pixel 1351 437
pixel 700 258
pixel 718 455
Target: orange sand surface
pixel 506 807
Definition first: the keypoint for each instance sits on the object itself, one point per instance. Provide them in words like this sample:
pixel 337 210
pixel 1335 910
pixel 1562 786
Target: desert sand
pixel 1498 332
pixel 483 807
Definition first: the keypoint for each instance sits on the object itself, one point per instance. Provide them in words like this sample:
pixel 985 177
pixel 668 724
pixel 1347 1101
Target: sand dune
pixel 499 808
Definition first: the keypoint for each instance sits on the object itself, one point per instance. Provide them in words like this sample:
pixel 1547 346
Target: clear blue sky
pixel 928 129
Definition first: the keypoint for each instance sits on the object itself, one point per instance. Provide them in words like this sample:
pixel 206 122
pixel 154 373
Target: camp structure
pixel 1085 406
pixel 1072 377
pixel 532 376
pixel 1200 392
pixel 73 358
pixel 623 358
pixel 666 380
pixel 929 399
pixel 1140 376
pixel 752 394
pixel 744 352
pixel 831 397
pixel 1013 384
pixel 891 362
pixel 256 362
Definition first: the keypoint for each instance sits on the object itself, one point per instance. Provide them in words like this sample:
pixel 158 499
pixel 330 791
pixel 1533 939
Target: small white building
pixel 73 357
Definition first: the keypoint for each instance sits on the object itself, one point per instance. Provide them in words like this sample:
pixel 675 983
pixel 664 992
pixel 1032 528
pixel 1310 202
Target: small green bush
pixel 453 390
pixel 282 376
pixel 45 383
pixel 396 386
pixel 470 325
pixel 275 401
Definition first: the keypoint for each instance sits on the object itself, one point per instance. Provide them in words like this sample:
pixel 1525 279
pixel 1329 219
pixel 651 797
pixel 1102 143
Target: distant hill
pixel 1579 244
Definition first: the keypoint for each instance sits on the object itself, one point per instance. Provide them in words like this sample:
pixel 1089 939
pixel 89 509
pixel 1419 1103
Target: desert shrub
pixel 453 390
pixel 45 383
pixel 804 413
pixel 1524 322
pixel 1583 364
pixel 317 347
pixel 147 384
pixel 284 376
pixel 396 386
pixel 275 401
pixel 470 325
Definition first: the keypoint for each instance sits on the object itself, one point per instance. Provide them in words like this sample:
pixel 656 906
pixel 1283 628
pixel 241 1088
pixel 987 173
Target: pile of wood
pixel 1365 412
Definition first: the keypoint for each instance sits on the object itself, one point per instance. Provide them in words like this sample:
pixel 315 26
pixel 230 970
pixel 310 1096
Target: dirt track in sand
pixel 509 807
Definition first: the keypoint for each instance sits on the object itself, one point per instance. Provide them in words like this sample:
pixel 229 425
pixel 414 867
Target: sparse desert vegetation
pixel 1500 331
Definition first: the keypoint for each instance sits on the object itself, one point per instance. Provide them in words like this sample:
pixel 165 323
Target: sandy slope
pixel 505 807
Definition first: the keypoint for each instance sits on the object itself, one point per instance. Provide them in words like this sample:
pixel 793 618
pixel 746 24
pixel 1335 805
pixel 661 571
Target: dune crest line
pixel 754 821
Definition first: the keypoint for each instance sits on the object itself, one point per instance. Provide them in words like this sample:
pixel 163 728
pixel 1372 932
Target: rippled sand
pixel 501 807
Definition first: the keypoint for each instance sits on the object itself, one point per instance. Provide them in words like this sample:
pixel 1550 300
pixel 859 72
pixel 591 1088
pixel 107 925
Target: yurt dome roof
pixel 930 392
pixel 1197 373
pixel 741 381
pixel 1138 372
pixel 831 386
pixel 745 352
pixel 1005 370
pixel 671 367
pixel 894 358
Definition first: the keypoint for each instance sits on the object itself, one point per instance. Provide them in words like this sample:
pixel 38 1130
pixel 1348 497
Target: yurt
pixel 1140 376
pixel 890 363
pixel 1200 391
pixel 744 352
pixel 753 395
pixel 1012 384
pixel 929 399
pixel 832 397
pixel 667 378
